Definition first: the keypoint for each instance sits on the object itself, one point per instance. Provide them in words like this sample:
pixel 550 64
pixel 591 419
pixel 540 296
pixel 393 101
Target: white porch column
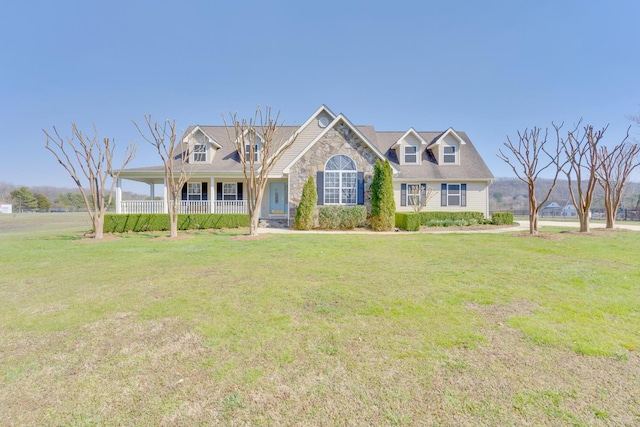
pixel 212 195
pixel 119 196
pixel 165 199
pixel 152 196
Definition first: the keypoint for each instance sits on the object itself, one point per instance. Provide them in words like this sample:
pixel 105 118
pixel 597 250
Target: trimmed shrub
pixel 409 221
pixel 122 223
pixel 341 217
pixel 502 218
pixel 426 217
pixel 383 205
pixel 305 214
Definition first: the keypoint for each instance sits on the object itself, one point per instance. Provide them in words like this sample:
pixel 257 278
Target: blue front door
pixel 277 199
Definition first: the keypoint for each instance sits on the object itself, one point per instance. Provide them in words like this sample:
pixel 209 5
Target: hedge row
pixel 425 217
pixel 409 221
pixel 121 223
pixel 341 217
pixel 502 218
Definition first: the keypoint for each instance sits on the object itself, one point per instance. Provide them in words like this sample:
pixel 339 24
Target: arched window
pixel 340 181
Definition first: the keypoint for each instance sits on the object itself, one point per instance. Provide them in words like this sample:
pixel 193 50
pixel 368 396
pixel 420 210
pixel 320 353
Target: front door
pixel 277 199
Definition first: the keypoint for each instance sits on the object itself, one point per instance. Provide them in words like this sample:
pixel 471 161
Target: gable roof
pixel 340 118
pixel 196 128
pixel 413 132
pixel 226 160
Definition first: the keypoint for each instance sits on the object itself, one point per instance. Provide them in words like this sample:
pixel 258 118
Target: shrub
pixel 307 208
pixel 409 221
pixel 426 217
pixel 502 218
pixel 383 205
pixel 121 223
pixel 341 217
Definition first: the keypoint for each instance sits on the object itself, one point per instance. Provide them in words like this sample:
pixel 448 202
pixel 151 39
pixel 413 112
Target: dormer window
pixel 199 153
pixel 410 154
pixel 450 154
pixel 247 153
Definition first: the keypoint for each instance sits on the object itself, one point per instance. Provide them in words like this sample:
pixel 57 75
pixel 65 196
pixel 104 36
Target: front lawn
pixel 316 329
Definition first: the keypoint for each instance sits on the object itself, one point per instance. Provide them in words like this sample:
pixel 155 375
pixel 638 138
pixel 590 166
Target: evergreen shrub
pixel 409 221
pixel 383 205
pixel 502 218
pixel 341 217
pixel 122 223
pixel 305 214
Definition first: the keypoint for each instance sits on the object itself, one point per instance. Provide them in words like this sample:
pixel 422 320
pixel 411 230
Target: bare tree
pixel 419 195
pixel 614 168
pixel 259 133
pixel 582 163
pixel 95 159
pixel 163 139
pixel 527 162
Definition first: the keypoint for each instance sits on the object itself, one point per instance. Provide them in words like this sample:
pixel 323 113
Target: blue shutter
pixel 463 194
pixel 184 192
pixel 240 191
pixel 218 191
pixel 403 194
pixel 361 188
pixel 443 195
pixel 205 187
pixel 320 187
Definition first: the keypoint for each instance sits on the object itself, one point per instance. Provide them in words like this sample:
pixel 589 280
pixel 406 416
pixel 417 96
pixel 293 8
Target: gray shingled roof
pixel 471 167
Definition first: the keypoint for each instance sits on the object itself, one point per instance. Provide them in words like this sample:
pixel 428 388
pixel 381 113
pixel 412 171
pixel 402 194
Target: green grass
pixel 315 328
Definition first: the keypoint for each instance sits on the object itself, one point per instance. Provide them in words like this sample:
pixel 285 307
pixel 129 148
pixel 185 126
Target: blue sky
pixel 489 68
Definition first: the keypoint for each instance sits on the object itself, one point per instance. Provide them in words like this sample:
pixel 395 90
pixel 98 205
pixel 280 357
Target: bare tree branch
pixel 95 161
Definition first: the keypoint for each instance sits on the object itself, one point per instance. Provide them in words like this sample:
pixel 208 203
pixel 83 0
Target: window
pixel 449 154
pixel 194 191
pixel 410 154
pixel 199 153
pixel 229 191
pixel 415 193
pixel 453 195
pixel 247 153
pixel 340 181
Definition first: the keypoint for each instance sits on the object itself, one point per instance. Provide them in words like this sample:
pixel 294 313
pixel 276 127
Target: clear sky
pixel 487 67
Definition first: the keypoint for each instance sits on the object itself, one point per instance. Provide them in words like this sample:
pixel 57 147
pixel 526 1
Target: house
pixel 552 209
pixel 5 207
pixel 339 155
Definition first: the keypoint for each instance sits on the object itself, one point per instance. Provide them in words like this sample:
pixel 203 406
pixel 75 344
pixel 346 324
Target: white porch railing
pixel 186 206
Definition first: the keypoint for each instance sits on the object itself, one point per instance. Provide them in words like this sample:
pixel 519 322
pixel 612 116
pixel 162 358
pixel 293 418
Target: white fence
pixel 186 206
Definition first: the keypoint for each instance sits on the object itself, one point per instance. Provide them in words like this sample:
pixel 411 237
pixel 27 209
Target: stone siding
pixel 339 140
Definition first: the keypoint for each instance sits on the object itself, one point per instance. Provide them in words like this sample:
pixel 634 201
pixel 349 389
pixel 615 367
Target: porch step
pixel 273 223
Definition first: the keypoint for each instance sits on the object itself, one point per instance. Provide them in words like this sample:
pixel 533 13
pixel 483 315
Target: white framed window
pixel 194 191
pixel 247 153
pixel 340 181
pixel 415 193
pixel 410 154
pixel 229 191
pixel 450 154
pixel 453 195
pixel 199 153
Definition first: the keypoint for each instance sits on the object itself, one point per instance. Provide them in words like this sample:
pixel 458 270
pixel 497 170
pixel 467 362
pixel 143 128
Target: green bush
pixel 383 205
pixel 409 221
pixel 426 217
pixel 307 208
pixel 341 217
pixel 121 223
pixel 502 218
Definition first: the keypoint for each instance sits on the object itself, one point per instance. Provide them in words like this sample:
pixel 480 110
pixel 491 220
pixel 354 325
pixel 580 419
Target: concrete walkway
pixel 523 226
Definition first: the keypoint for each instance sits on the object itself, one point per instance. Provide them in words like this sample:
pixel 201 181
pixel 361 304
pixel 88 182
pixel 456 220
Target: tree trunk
pixel 98 226
pixel 584 221
pixel 173 218
pixel 533 210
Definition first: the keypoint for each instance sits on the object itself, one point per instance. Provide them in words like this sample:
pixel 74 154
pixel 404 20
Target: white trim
pixel 331 125
pixel 444 134
pixel 410 131
pixel 212 141
pixel 415 153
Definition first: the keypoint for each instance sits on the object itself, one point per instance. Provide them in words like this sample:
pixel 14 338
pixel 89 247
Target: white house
pixel 339 155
